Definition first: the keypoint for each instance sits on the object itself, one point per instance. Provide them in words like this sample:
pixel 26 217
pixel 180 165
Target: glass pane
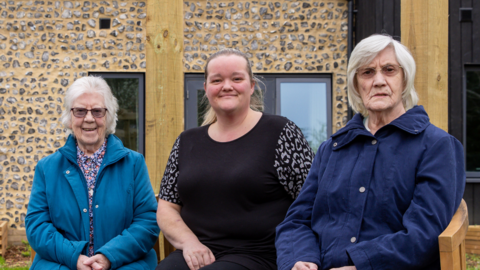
pixel 473 121
pixel 126 92
pixel 306 105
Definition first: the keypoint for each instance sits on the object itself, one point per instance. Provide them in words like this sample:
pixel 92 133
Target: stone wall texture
pixel 304 36
pixel 44 47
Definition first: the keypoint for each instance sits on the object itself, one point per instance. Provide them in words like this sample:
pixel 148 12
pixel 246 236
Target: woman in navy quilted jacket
pixel 382 189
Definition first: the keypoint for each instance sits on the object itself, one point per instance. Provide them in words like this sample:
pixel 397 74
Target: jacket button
pixel 68 172
pixel 353 239
pixel 362 189
pixel 84 210
pixel 96 206
pixel 335 144
pixel 374 142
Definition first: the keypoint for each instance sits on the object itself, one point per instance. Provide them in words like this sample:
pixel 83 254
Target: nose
pixel 379 79
pixel 89 117
pixel 227 85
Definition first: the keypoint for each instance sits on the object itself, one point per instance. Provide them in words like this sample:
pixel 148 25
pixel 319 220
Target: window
pixel 304 99
pixel 129 90
pixel 472 123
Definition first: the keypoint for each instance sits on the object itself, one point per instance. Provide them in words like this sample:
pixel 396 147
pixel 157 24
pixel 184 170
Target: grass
pixel 473 262
pixel 3 267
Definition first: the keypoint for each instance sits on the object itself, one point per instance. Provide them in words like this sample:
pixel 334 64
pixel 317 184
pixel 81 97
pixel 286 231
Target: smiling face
pixel 89 131
pixel 382 93
pixel 228 86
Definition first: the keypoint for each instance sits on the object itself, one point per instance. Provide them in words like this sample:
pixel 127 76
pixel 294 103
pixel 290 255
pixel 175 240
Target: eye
pixel 389 70
pixel 367 71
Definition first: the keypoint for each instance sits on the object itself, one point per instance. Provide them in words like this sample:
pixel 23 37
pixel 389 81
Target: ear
pixel 205 86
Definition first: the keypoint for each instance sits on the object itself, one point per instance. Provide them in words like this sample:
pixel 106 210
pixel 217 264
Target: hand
pixel 98 262
pixel 305 266
pixel 345 268
pixel 197 255
pixel 80 265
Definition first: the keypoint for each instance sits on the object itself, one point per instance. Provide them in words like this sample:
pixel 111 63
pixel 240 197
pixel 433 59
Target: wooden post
pixel 3 237
pixel 424 28
pixel 164 88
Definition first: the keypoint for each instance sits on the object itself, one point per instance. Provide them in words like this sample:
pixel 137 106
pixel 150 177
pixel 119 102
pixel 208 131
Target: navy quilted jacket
pixel 376 201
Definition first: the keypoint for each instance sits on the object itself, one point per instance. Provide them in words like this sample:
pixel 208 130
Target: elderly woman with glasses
pixel 92 205
pixel 382 189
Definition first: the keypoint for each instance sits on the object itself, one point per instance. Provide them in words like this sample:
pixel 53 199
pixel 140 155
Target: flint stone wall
pixel 44 47
pixel 305 36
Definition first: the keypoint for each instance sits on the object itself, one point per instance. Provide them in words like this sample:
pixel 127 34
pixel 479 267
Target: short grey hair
pixel 90 84
pixel 364 53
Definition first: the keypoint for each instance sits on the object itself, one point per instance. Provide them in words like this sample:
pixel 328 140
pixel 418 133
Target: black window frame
pixel 271 81
pixel 141 98
pixel 472 177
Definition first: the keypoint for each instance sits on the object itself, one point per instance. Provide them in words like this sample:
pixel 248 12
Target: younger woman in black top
pixel 229 183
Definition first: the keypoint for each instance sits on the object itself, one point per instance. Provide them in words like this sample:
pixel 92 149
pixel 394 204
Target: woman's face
pixel 89 131
pixel 382 92
pixel 228 86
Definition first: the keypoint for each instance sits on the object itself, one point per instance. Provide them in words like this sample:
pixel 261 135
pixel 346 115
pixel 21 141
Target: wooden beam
pixel 164 89
pixel 424 30
pixel 164 84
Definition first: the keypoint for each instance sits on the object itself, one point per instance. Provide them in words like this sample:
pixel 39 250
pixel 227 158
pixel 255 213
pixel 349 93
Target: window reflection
pixel 126 92
pixel 473 121
pixel 306 105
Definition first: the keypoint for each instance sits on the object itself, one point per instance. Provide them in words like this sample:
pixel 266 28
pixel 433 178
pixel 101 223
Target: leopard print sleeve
pixel 293 159
pixel 168 188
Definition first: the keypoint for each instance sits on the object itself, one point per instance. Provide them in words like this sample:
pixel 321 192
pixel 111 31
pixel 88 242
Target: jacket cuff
pixel 113 262
pixel 359 258
pixel 78 249
pixel 289 264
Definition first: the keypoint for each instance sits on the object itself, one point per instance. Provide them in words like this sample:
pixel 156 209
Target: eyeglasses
pixel 388 70
pixel 82 112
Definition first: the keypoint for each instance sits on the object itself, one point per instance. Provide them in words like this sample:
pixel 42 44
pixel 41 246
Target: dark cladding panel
pixel 377 17
pixel 476 31
pixel 455 73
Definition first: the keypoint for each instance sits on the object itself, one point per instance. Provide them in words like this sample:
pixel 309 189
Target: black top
pixel 234 194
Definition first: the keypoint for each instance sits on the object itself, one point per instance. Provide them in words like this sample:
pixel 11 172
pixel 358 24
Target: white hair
pixel 364 53
pixel 90 84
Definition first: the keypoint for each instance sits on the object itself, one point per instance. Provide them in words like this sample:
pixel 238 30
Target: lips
pixel 89 129
pixel 381 95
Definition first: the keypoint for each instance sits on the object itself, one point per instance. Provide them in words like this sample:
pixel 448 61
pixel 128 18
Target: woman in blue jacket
pixel 383 188
pixel 92 205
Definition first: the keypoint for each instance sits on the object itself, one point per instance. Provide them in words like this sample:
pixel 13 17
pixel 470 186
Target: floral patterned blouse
pixel 90 166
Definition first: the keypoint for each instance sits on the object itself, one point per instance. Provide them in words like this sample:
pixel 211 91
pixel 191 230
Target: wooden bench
pixel 452 241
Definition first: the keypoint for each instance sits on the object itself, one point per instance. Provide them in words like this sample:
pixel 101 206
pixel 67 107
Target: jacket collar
pixel 115 149
pixel 414 121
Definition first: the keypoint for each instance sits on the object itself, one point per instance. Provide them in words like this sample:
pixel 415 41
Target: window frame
pixel 309 79
pixel 141 99
pixel 272 82
pixel 472 177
